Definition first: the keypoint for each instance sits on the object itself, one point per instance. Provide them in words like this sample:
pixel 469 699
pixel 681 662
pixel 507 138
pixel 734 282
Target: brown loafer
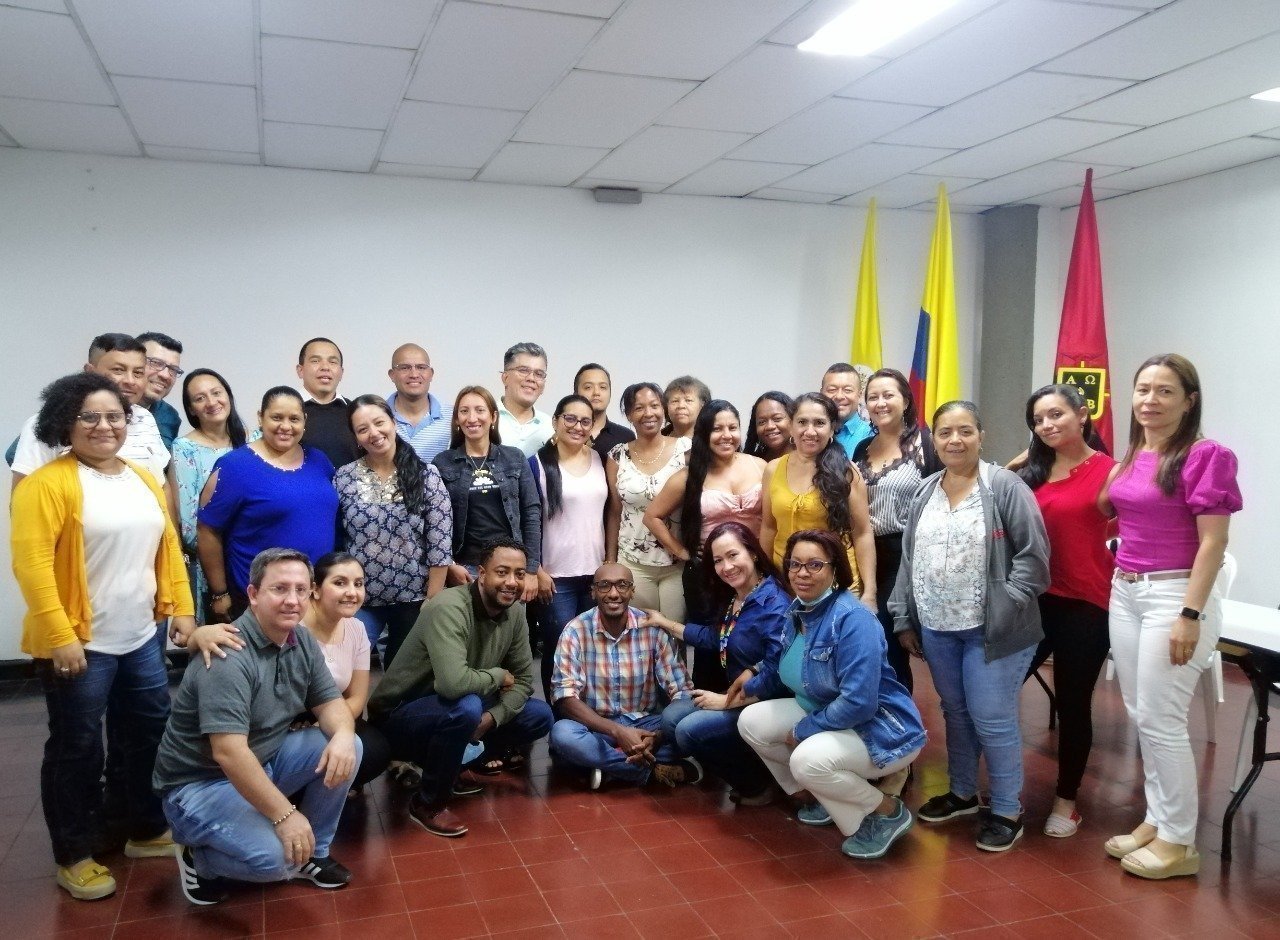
pixel 437 821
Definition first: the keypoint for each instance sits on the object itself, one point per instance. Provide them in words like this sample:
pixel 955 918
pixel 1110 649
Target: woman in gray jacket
pixel 974 558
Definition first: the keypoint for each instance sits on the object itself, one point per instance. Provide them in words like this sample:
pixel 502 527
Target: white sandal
pixel 1058 826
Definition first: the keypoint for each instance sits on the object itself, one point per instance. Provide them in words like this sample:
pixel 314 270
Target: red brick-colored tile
pixel 830 927
pixel 501 883
pixel 734 915
pixel 625 866
pixel 359 903
pixel 659 924
pixel 310 910
pixel 703 884
pixel 795 902
pixel 585 902
pixel 386 927
pixel 436 892
pixel 473 858
pixel 506 914
pixel 567 874
pixel 427 865
pixel 614 926
pixel 449 923
pixel 645 893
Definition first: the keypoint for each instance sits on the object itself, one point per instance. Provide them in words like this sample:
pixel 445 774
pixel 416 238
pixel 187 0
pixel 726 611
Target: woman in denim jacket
pixel 850 722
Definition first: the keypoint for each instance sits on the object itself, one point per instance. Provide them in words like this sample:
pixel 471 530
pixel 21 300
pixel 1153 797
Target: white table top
pixel 1251 625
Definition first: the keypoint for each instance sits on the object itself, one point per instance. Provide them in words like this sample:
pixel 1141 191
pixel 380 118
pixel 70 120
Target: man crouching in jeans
pixel 228 758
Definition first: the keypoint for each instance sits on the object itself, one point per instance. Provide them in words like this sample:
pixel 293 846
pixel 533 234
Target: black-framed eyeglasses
pixel 159 365
pixel 91 419
pixel 574 421
pixel 813 565
pixel 406 367
pixel 621 586
pixel 524 372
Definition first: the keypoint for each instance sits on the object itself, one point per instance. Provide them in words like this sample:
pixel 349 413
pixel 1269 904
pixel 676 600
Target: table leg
pixel 1260 680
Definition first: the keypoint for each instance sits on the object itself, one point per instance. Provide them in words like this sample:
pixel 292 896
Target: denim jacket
pixel 519 495
pixel 757 635
pixel 846 670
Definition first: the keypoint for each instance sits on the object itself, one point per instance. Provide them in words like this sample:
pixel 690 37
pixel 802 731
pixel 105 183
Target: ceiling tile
pixel 592 109
pixel 44 56
pixel 1241 72
pixel 447 134
pixel 434 172
pixel 733 178
pixel 197 40
pixel 1019 186
pixel 986 50
pixel 1044 141
pixel 1274 132
pixel 49 6
pixel 908 190
pixel 768 85
pixel 191 114
pixel 202 156
pixel 1209 160
pixel 1071 196
pixel 56 125
pixel 320 148
pixel 600 8
pixel 1024 100
pixel 666 154
pixel 497 57
pixel 828 128
pixel 591 182
pixel 310 82
pixel 680 39
pixel 1183 135
pixel 792 195
pixel 820 12
pixel 540 164
pixel 862 168
pixel 377 22
pixel 1135 4
pixel 1175 36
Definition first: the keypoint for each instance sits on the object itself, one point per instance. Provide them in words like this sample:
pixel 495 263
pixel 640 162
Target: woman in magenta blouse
pixel 1173 494
pixel 1066 467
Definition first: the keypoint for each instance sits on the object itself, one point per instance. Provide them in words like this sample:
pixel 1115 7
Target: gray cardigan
pixel 1017 561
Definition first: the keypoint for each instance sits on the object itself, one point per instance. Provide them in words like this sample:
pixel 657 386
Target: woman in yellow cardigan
pixel 98 562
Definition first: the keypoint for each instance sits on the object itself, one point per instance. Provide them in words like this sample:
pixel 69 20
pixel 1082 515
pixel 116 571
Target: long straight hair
pixel 409 466
pixel 235 427
pixel 751 444
pixel 699 464
pixel 1174 452
pixel 1040 455
pixel 549 456
pixel 720 593
pixel 832 472
pixel 455 435
pixel 910 412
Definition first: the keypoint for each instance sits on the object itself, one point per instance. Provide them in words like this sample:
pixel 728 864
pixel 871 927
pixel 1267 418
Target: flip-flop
pixel 1058 826
pixel 1146 864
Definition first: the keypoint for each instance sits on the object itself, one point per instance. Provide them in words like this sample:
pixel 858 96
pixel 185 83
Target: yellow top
pixel 795 512
pixel 47 544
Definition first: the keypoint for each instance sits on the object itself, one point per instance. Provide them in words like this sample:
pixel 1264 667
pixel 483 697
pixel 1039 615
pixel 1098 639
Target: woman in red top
pixel 1066 467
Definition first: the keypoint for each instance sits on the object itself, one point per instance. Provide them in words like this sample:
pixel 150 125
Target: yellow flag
pixel 866 348
pixel 935 369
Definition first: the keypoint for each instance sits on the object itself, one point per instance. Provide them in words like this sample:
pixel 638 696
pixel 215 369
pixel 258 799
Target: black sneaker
pixel 325 873
pixel 202 891
pixel 947 806
pixel 998 833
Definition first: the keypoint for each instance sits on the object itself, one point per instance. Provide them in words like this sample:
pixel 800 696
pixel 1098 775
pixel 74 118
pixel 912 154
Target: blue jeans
pixel 136 689
pixel 231 839
pixel 576 744
pixel 572 597
pixel 396 619
pixel 712 737
pixel 980 711
pixel 433 732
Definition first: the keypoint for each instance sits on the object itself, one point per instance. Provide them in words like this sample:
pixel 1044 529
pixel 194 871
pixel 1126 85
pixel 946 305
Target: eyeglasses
pixel 91 419
pixel 159 365
pixel 574 421
pixel 406 367
pixel 524 372
pixel 813 566
pixel 604 587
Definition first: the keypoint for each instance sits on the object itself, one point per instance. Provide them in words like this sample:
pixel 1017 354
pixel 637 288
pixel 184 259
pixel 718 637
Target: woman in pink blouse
pixel 1173 494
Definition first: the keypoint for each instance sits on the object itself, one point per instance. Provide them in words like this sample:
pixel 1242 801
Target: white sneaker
pixel 597 778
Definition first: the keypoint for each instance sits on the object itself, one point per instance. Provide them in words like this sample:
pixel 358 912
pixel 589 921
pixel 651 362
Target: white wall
pixel 1191 268
pixel 244 263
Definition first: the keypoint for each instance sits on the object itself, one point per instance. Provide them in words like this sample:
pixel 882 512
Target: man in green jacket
pixel 464 674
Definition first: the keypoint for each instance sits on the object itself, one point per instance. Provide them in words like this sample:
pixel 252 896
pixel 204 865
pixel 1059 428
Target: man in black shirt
pixel 328 430
pixel 594 384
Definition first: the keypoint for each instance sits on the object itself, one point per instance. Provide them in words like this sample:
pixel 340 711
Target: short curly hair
pixel 64 399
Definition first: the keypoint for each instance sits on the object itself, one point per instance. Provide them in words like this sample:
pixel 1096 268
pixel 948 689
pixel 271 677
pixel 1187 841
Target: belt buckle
pixel 1130 577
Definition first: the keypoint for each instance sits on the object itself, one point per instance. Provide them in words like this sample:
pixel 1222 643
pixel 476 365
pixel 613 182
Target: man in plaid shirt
pixel 612 677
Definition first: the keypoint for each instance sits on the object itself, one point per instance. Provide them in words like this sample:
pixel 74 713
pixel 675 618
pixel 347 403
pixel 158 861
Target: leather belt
pixel 1132 577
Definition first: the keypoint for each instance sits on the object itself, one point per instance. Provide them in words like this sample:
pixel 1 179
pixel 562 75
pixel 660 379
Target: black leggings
pixel 1075 633
pixel 888 559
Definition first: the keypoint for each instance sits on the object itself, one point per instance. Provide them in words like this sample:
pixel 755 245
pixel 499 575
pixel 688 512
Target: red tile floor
pixel 547 858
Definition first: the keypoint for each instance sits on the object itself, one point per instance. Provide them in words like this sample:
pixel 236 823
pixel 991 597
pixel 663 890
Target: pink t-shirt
pixel 1158 532
pixel 573 539
pixel 348 653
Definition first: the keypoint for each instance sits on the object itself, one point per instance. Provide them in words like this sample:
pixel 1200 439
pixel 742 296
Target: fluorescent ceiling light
pixel 870 24
pixel 1270 95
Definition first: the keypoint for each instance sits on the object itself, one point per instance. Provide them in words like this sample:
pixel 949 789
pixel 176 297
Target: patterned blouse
pixel 192 464
pixel 636 488
pixel 949 567
pixel 395 547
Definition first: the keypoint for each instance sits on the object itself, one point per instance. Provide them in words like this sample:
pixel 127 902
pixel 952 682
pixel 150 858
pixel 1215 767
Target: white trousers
pixel 660 588
pixel 1157 695
pixel 832 765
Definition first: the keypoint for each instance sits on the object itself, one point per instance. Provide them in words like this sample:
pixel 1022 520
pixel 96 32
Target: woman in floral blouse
pixel 398 522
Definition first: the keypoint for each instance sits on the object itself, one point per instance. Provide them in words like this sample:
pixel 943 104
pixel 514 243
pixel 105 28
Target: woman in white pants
pixel 850 723
pixel 1173 494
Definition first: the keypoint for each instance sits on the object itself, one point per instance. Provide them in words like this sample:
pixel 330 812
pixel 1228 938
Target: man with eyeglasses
pixel 164 367
pixel 613 673
pixel 524 377
pixel 327 428
pixel 122 359
pixel 422 420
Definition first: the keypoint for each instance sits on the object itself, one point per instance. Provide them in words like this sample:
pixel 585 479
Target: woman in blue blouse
pixel 742 583
pixel 398 523
pixel 271 492
pixel 850 722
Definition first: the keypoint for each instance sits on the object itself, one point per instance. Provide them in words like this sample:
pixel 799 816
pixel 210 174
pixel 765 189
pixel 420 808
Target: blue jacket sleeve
pixel 704 638
pixel 859 654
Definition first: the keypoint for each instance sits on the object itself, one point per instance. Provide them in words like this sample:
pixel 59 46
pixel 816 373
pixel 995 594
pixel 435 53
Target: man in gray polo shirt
pixel 228 760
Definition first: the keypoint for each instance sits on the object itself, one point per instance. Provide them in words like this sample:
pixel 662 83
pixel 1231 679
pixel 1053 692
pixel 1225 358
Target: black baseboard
pixel 11 669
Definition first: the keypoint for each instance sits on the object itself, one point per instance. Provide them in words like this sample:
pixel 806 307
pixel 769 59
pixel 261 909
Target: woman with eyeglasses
pixel 216 428
pixel 975 557
pixel 271 492
pixel 826 714
pixel 769 430
pixel 574 490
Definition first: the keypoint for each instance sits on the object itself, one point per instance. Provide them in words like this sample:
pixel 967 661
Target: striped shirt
pixel 889 490
pixel 617 677
pixel 430 436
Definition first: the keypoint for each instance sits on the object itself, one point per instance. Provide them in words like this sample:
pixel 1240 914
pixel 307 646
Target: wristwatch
pixel 1190 613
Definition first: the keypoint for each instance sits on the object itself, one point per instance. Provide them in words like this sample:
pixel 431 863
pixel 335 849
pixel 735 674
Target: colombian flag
pixel 866 317
pixel 935 366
